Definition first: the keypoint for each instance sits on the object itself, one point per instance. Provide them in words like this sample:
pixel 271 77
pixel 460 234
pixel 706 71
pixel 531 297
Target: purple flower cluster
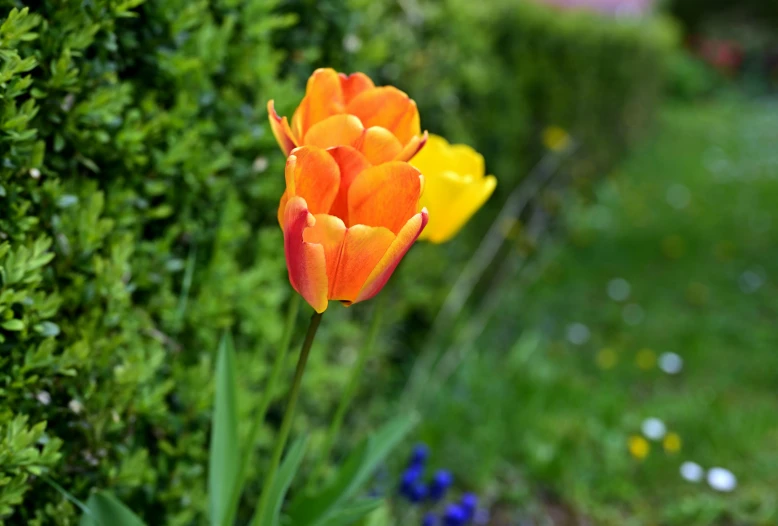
pixel 430 494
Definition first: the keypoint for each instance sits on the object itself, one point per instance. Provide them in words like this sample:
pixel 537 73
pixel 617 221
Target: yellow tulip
pixel 455 186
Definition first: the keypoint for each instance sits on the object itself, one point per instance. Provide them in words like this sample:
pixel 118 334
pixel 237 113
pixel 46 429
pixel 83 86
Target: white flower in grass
pixel 692 471
pixel 670 362
pixel 653 428
pixel 618 289
pixel 721 479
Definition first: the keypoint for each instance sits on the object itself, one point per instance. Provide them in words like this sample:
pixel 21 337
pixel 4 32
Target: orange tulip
pixel 347 223
pixel 381 122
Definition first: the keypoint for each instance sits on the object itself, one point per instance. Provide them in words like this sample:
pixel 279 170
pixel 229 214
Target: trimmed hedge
pixel 139 184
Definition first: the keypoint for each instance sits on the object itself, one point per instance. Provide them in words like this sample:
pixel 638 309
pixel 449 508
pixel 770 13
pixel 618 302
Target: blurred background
pixel 597 347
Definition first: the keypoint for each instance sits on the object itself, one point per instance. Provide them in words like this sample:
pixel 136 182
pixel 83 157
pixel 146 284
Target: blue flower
pixel 409 478
pixel 419 455
pixel 441 482
pixel 429 520
pixel 469 504
pixel 455 515
pixel 417 493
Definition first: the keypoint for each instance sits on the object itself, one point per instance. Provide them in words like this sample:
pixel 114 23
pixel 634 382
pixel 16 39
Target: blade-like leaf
pixel 223 457
pixel 352 513
pixel 283 480
pixel 379 517
pixel 107 510
pixel 315 510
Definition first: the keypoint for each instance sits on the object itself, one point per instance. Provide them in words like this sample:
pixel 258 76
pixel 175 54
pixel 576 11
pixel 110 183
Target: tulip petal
pixel 363 249
pixel 468 161
pixel 304 261
pixel 351 164
pixel 456 199
pixel 394 254
pixel 354 84
pixel 323 98
pixel 329 232
pixel 413 147
pixel 312 173
pixel 379 145
pixel 386 195
pixel 281 130
pixel 335 131
pixel 388 108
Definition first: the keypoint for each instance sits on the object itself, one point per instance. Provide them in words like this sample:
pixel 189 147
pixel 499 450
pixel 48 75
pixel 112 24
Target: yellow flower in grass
pixel 638 447
pixel 455 186
pixel 672 443
pixel 556 139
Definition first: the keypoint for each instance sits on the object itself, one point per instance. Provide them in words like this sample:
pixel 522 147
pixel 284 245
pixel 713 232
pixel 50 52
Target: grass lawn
pixel 678 255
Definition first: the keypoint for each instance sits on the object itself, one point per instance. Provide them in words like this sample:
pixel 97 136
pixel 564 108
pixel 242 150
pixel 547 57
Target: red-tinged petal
pixel 386 195
pixel 334 131
pixel 354 84
pixel 312 173
pixel 304 261
pixel 351 164
pixel 394 254
pixel 281 130
pixel 282 209
pixel 363 249
pixel 329 232
pixel 379 145
pixel 413 147
pixel 323 98
pixel 388 108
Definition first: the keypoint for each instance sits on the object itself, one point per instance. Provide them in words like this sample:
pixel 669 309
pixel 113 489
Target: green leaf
pixel 223 457
pixel 107 510
pixel 318 509
pixel 286 474
pixel 379 517
pixel 353 512
pixel 13 325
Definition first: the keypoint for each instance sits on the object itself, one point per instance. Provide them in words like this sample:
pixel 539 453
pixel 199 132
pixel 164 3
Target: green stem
pixel 351 388
pixel 286 423
pixel 264 403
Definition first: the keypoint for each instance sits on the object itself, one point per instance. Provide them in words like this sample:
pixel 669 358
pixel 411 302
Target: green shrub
pixel 139 184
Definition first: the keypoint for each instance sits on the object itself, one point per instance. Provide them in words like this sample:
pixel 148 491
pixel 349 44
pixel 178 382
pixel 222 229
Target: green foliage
pixel 223 458
pixel 106 510
pixel 139 184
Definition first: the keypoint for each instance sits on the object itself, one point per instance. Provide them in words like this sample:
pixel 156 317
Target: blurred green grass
pixel 541 424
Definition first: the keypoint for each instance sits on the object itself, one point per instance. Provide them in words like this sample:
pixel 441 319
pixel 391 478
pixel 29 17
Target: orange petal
pixel 304 261
pixel 363 249
pixel 413 147
pixel 354 84
pixel 334 131
pixel 394 254
pixel 386 195
pixel 389 108
pixel 379 145
pixel 351 164
pixel 281 130
pixel 312 173
pixel 329 232
pixel 323 98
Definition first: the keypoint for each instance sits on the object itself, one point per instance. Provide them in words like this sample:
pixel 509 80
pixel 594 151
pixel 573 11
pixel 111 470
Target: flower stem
pixel 286 423
pixel 351 388
pixel 264 403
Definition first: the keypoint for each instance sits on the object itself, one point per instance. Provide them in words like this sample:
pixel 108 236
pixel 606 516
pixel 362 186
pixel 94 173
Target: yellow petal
pixel 452 202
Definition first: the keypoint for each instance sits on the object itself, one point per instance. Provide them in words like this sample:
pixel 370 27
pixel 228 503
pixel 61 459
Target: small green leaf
pixel 318 509
pixel 223 456
pixel 107 510
pixel 13 325
pixel 283 480
pixel 353 512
